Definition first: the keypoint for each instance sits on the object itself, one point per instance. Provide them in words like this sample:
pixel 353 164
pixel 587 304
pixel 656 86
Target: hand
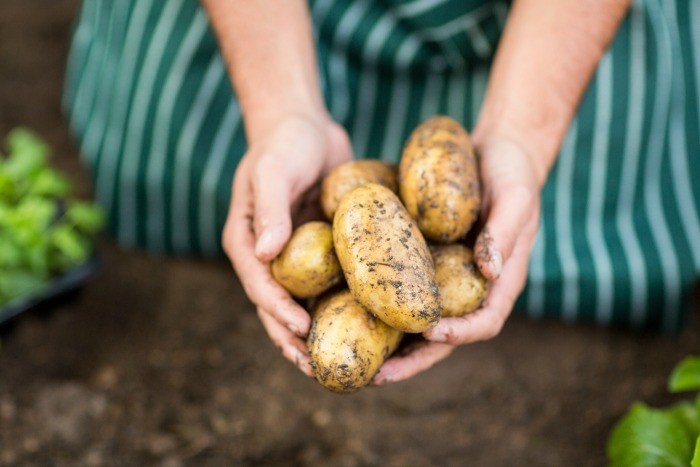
pixel 277 180
pixel 511 209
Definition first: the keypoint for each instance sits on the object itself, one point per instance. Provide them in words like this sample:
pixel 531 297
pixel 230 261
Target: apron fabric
pixel 158 126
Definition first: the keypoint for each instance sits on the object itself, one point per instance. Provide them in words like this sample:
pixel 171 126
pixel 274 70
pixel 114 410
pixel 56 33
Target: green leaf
pixel 27 153
pixel 37 241
pixel 686 376
pixel 49 183
pixel 648 437
pixel 24 141
pixel 35 212
pixel 87 217
pixel 36 258
pixel 70 244
pixel 10 255
pixel 687 414
pixel 7 185
pixel 696 457
pixel 17 284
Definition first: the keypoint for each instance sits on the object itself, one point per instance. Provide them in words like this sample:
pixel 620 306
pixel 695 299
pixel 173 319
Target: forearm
pixel 269 51
pixel 545 60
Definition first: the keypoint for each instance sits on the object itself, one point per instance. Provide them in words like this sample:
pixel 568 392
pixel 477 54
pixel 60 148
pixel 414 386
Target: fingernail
pixel 437 337
pixel 262 243
pixel 301 361
pixel 293 327
pixel 383 379
pixel 496 263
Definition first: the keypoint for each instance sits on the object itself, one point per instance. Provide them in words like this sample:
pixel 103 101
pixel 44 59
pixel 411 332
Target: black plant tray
pixel 57 287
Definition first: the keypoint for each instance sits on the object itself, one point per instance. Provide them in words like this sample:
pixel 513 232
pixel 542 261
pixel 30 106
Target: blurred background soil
pixel 162 361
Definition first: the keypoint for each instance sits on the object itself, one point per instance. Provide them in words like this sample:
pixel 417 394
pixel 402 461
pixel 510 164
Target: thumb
pixel 272 219
pixel 511 196
pixel 511 210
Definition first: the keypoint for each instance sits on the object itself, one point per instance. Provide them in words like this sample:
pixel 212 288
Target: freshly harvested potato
pixel 439 179
pixel 385 259
pixel 347 343
pixel 307 266
pixel 350 175
pixel 462 287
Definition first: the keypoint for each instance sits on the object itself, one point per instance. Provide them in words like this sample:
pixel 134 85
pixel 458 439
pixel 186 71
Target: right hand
pixel 511 183
pixel 277 181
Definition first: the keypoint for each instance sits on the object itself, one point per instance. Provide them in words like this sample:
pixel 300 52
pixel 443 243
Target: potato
pixel 385 259
pixel 350 175
pixel 308 266
pixel 439 180
pixel 461 285
pixel 347 344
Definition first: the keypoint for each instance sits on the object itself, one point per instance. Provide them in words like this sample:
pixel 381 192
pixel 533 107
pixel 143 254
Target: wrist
pixel 269 49
pixel 293 94
pixel 262 122
pixel 537 138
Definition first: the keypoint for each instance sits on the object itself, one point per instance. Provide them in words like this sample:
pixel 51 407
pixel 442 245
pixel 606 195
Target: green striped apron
pixel 154 114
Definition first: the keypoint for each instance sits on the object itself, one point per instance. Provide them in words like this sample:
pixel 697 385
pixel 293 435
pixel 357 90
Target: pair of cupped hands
pixel 277 185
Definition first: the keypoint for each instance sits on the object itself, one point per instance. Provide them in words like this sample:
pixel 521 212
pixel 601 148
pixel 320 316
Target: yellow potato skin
pixel 308 266
pixel 347 344
pixel 350 175
pixel 462 287
pixel 439 179
pixel 385 259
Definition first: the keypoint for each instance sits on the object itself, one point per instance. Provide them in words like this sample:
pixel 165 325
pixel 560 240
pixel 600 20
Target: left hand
pixel 276 182
pixel 511 209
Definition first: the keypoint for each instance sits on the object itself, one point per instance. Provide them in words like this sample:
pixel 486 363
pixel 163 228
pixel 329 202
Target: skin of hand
pixel 292 142
pixel 511 205
pixel 546 57
pixel 276 180
pixel 547 54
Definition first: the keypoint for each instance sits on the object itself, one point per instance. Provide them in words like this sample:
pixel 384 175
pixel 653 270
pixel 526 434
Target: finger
pixel 510 210
pixel 421 357
pixel 259 285
pixel 271 197
pixel 341 146
pixel 293 348
pixel 488 321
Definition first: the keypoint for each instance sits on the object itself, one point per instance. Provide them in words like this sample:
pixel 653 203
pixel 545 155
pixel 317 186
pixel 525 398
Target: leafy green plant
pixel 44 230
pixel 661 437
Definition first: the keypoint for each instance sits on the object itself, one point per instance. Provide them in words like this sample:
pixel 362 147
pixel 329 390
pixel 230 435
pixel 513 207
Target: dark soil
pixel 163 361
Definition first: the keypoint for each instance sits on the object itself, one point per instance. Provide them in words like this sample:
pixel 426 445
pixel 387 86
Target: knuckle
pixel 235 258
pixel 508 239
pixel 227 245
pixel 533 223
pixel 228 239
pixel 516 198
pixel 288 350
pixel 249 291
pixel 265 167
pixel 452 337
pixel 523 193
pixel 259 173
pixel 278 342
pixel 511 296
pixel 495 329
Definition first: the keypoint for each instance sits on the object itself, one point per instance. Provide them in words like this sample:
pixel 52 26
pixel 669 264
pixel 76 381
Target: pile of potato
pixel 396 282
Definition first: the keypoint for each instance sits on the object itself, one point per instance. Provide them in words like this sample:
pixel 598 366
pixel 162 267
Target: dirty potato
pixel 350 175
pixel 385 259
pixel 439 180
pixel 308 266
pixel 461 285
pixel 347 343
